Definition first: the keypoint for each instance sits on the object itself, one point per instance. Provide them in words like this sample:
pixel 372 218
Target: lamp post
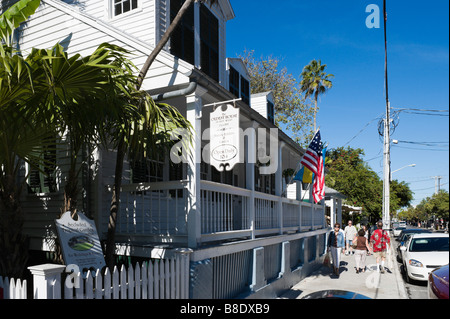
pixel 410 165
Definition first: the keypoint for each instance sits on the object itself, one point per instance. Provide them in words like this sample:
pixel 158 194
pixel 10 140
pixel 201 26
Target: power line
pixel 431 144
pixel 363 129
pixel 426 189
pixel 420 110
pixel 422 149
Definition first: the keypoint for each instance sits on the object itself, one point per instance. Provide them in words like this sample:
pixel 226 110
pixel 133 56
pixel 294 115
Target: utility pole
pixel 437 184
pixel 387 137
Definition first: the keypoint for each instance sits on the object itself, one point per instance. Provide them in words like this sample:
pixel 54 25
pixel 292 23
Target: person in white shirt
pixel 350 234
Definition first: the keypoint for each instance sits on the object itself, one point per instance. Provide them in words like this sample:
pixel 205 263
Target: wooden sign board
pixel 80 242
pixel 225 137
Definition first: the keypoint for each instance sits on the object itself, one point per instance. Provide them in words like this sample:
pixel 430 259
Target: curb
pixel 398 275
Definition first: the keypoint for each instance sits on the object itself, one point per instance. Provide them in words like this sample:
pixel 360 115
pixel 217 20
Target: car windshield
pixel 429 244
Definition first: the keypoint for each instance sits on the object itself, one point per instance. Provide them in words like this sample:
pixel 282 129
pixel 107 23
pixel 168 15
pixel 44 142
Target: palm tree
pixel 157 121
pixel 315 82
pixel 49 94
pixel 148 134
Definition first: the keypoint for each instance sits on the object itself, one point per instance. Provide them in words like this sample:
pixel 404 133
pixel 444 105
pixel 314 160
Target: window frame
pixel 112 8
pixel 209 43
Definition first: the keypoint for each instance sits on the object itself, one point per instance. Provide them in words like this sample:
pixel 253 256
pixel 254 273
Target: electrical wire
pixel 364 128
pixel 432 144
pixel 420 110
pixel 421 149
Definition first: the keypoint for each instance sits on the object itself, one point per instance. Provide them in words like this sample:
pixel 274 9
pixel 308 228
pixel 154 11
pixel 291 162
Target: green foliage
pixel 350 175
pixel 81 99
pixel 14 16
pixel 315 82
pixel 435 206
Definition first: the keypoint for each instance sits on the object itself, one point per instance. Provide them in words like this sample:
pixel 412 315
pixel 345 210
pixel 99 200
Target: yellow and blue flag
pixel 304 175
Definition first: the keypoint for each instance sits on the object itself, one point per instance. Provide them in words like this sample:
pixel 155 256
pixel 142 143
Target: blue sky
pixel 298 31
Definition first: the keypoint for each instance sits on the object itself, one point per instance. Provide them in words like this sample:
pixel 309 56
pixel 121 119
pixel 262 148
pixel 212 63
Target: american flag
pixel 311 159
pixel 319 182
pixel 314 161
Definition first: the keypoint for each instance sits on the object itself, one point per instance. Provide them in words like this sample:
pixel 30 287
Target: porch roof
pixel 332 193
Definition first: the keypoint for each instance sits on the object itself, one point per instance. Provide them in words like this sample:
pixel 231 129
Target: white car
pixel 423 253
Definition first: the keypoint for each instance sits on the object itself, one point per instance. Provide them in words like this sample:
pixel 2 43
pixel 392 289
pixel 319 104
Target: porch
pixel 164 213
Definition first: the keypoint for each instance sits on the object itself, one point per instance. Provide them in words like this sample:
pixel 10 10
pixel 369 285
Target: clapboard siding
pixel 82 33
pixel 259 102
pixel 139 23
pixel 81 26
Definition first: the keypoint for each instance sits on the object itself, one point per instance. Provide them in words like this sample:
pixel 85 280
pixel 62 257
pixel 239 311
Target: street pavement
pixel 370 284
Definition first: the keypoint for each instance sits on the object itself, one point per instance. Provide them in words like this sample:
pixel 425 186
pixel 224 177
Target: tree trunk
pixel 162 42
pixel 115 200
pixel 315 115
pixel 115 205
pixel 70 194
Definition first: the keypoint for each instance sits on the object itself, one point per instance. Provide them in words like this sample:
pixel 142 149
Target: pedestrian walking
pixel 361 244
pixel 367 235
pixel 380 240
pixel 336 245
pixel 350 233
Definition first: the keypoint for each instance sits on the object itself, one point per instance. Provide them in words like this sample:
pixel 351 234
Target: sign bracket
pixel 216 104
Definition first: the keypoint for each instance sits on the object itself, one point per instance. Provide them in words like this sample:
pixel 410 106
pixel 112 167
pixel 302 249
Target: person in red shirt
pixel 380 240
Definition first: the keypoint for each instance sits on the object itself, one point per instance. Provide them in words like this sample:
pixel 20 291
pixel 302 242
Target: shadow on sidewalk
pixel 327 271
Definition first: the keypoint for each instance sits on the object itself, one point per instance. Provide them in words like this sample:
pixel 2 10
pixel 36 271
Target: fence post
pixel 183 255
pixel 47 281
pixel 285 258
pixel 258 277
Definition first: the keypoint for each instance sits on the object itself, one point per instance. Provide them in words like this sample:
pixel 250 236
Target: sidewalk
pixel 370 283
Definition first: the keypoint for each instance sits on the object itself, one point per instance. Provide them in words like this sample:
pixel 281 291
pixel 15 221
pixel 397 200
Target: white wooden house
pixel 232 221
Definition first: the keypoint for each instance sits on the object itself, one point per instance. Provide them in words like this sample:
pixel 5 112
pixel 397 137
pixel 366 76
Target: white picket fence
pixel 163 279
pixel 13 288
pixel 157 279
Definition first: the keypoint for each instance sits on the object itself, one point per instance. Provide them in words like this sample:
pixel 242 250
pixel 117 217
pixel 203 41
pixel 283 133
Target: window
pixel 182 39
pixel 146 171
pixel 234 81
pixel 122 6
pixel 239 86
pixel 209 43
pixel 245 90
pixel 270 112
pixel 429 244
pixel 42 179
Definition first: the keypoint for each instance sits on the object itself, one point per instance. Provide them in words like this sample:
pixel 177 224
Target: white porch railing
pixel 160 210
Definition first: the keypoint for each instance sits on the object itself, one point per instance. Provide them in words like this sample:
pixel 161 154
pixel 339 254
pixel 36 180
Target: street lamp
pixel 410 165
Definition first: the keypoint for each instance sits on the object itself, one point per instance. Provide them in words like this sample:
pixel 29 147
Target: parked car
pixel 423 253
pixel 438 283
pixel 398 230
pixel 404 236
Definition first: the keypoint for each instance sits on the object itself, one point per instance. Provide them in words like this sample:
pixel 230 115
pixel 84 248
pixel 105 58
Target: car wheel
pixel 404 272
pixel 407 278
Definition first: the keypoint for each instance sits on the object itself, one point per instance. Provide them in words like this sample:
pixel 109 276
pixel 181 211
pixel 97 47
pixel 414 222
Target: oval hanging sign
pixel 225 137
